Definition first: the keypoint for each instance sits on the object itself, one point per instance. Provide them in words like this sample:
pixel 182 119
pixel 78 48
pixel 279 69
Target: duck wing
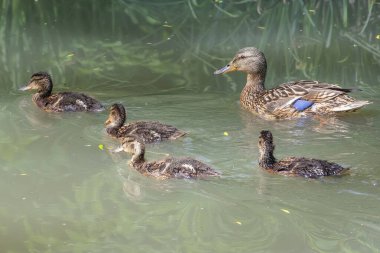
pixel 315 91
pixel 176 168
pixel 310 168
pixel 295 97
pixel 71 101
pixel 186 168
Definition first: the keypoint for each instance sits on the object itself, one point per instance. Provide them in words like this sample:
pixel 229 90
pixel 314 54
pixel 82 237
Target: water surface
pixel 61 193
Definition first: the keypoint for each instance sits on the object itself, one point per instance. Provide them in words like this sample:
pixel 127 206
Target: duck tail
pixel 177 134
pixel 352 106
pixel 344 171
pixel 346 90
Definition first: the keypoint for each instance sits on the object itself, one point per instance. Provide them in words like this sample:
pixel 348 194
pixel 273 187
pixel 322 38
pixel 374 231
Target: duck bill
pixel 108 121
pixel 118 149
pixel 28 87
pixel 225 69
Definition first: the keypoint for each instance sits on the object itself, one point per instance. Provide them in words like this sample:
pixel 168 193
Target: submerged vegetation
pixel 106 41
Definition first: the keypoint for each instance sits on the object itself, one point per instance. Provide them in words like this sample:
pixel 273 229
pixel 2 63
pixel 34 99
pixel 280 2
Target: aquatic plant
pixel 97 41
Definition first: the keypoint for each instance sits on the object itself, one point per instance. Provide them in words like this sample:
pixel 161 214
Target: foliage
pixel 183 42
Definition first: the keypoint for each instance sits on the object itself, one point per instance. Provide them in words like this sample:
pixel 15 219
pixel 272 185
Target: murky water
pixel 60 192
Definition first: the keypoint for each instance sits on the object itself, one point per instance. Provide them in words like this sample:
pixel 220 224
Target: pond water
pixel 60 192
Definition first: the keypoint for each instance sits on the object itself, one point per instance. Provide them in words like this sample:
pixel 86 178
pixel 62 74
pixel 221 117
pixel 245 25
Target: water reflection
pixel 34 115
pixel 298 127
pixel 61 193
pixel 243 209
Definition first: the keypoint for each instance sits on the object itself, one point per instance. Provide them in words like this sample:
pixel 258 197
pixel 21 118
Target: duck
pixel 294 166
pixel 169 167
pixel 289 100
pixel 148 131
pixel 59 102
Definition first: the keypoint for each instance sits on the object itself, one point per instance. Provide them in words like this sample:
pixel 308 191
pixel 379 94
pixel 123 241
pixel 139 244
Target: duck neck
pixel 114 127
pixel 138 157
pixel 255 82
pixel 45 89
pixel 40 99
pixel 267 159
pixel 113 131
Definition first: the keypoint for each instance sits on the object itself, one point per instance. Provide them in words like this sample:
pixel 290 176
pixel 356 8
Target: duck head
pixel 249 60
pixel 116 117
pixel 40 81
pixel 134 145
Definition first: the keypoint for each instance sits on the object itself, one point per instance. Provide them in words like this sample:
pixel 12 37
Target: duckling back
pixel 70 102
pixel 187 168
pixel 307 167
pixel 170 167
pixel 150 131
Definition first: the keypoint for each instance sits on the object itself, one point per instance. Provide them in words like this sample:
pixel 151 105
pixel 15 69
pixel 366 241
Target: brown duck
pixel 289 100
pixel 147 131
pixel 294 166
pixel 62 101
pixel 167 168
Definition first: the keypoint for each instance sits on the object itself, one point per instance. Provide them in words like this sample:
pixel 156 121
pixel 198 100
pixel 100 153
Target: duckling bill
pixel 294 166
pixel 59 102
pixel 147 131
pixel 170 167
pixel 289 100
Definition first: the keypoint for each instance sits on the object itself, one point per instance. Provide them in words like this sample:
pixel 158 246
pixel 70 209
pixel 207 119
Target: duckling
pixel 294 166
pixel 167 168
pixel 59 102
pixel 289 100
pixel 148 131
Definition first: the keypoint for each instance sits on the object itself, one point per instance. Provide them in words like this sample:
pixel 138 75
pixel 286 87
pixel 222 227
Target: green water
pixel 59 192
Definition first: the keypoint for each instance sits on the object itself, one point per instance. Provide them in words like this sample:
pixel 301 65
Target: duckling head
pixel 249 60
pixel 134 145
pixel 116 117
pixel 40 81
pixel 266 148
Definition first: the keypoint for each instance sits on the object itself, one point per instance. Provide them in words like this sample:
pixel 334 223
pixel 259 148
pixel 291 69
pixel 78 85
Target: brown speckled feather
pixel 306 167
pixel 289 100
pixel 147 131
pixel 59 102
pixel 176 168
pixel 294 166
pixel 277 102
pixel 68 102
pixel 150 131
pixel 166 168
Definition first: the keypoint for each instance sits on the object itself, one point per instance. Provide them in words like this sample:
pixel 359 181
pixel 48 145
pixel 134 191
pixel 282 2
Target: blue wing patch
pixel 302 105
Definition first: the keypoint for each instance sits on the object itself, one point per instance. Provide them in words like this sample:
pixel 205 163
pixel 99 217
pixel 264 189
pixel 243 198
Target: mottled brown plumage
pixel 294 166
pixel 148 131
pixel 280 102
pixel 62 101
pixel 167 168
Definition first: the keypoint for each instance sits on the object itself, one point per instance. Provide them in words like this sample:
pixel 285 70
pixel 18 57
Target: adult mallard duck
pixel 148 131
pixel 59 102
pixel 294 166
pixel 167 168
pixel 289 100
